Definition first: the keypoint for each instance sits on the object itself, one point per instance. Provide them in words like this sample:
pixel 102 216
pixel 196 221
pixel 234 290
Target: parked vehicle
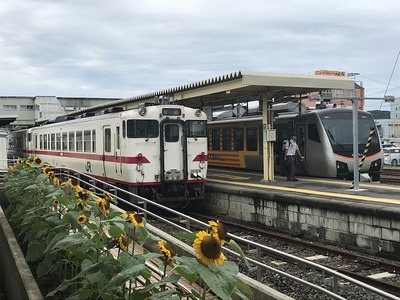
pixel 391 156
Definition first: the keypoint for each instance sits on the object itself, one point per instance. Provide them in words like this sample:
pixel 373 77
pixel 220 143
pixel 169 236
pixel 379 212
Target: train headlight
pixel 342 170
pixel 143 111
pixel 197 112
pixel 375 165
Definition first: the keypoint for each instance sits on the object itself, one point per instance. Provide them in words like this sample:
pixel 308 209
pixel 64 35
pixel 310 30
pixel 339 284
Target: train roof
pixel 290 115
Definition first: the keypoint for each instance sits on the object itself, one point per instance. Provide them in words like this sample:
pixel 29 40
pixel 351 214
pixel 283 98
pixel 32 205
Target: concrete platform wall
pixel 16 277
pixel 365 226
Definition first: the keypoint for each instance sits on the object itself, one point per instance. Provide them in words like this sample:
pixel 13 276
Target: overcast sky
pixel 121 48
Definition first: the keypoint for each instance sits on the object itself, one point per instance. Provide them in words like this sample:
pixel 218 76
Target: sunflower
pixel 83 194
pixel 104 205
pixel 38 161
pixel 28 162
pixel 56 202
pixel 108 195
pixel 74 183
pixel 123 242
pixel 56 181
pixel 46 170
pixel 218 230
pixel 81 204
pixel 168 250
pixel 208 249
pixel 81 219
pixel 134 218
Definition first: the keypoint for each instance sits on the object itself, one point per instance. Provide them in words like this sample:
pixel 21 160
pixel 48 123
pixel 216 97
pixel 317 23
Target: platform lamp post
pixel 355 138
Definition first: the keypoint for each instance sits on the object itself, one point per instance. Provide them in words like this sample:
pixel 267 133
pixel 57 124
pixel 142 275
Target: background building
pixel 339 98
pixel 22 112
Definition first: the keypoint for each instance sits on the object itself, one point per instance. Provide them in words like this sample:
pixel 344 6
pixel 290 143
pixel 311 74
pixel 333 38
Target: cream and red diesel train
pixel 156 151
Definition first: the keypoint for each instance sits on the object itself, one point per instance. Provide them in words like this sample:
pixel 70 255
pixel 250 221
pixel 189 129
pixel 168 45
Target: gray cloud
pixel 124 48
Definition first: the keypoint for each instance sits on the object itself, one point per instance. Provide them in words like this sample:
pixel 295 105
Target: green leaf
pixel 187 268
pixel 35 250
pixel 243 290
pixel 124 276
pixel 115 231
pixel 115 220
pixel 164 295
pixel 70 240
pixel 31 187
pixel 189 236
pixel 141 235
pixel 239 251
pixel 222 286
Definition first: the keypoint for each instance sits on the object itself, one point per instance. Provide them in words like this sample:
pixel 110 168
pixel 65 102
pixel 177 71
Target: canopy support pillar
pixel 268 143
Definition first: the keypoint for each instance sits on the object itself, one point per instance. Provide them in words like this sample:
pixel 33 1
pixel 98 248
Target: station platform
pixel 318 209
pixel 369 193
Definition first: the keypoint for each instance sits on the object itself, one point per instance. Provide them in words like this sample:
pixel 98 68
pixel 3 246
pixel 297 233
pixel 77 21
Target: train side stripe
pixel 93 156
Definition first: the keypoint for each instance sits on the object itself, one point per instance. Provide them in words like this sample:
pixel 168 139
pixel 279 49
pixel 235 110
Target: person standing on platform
pixel 290 154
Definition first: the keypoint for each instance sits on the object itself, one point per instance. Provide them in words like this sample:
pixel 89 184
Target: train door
pixel 111 152
pixel 173 151
pixel 117 155
pixel 301 142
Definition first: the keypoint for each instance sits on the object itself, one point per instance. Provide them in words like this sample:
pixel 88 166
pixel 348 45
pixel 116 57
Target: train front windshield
pixel 339 129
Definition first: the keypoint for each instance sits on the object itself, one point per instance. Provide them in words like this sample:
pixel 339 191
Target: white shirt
pixel 291 147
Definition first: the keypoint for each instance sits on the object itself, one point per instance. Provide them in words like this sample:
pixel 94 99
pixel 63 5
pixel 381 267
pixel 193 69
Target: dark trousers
pixel 290 167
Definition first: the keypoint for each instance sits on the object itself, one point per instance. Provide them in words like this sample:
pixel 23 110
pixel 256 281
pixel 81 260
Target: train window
pixel 171 132
pixel 226 139
pixel 78 140
pixel 118 138
pixel 41 141
pixel 58 141
pixel 53 141
pixel 35 142
pixel 64 141
pixel 29 136
pixel 86 141
pixel 107 140
pixel 216 139
pixel 142 129
pixel 196 128
pixel 94 140
pixel 71 141
pixel 123 129
pixel 251 138
pixel 238 139
pixel 45 142
pixel 313 133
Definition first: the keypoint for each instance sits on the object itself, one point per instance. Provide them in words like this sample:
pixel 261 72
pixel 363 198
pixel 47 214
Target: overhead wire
pixel 391 75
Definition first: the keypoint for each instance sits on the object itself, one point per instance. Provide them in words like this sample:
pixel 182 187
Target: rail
pixel 141 205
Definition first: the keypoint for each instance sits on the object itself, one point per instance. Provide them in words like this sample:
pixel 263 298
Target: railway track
pixel 390 176
pixel 377 272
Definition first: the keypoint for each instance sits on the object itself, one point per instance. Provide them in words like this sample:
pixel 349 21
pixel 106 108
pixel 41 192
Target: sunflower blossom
pixel 218 230
pixel 168 250
pixel 104 205
pixel 123 242
pixel 81 219
pixel 208 249
pixel 38 161
pixel 134 218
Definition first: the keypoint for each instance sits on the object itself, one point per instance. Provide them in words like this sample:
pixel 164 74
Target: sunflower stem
pixel 133 240
pixel 204 291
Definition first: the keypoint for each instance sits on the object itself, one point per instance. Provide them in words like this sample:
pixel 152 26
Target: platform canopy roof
pixel 243 85
pixel 5 120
